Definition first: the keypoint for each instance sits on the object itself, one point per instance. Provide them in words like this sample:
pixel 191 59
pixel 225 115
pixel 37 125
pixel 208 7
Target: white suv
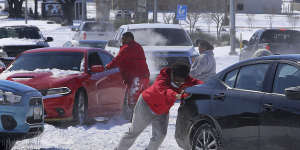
pixel 163 44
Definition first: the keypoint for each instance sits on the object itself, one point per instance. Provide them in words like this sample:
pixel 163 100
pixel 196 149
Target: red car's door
pixel 105 89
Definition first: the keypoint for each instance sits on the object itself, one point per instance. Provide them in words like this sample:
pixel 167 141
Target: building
pixel 259 6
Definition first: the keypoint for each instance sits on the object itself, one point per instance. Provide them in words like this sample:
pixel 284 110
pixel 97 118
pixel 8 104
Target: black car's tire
pixel 80 108
pixel 206 137
pixel 6 144
pixel 127 111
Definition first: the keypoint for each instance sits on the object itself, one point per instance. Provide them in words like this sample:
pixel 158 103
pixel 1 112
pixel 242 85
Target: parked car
pixel 277 41
pixel 92 30
pixel 21 111
pixel 73 85
pixel 168 43
pixel 86 43
pixel 16 39
pixel 251 105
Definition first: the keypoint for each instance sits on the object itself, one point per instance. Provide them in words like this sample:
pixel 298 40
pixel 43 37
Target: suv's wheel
pixel 6 144
pixel 206 138
pixel 80 108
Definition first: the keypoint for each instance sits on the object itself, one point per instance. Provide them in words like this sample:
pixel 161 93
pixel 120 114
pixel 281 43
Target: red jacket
pixel 161 95
pixel 131 61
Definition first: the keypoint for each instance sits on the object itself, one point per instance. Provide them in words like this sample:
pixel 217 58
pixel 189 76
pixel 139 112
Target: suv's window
pixel 251 77
pixel 19 32
pixel 280 36
pixel 286 76
pixel 253 38
pixel 48 60
pixel 231 78
pixel 161 37
pixel 94 26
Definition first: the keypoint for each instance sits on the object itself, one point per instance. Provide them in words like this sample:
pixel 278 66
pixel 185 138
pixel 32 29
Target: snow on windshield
pixel 55 72
pixel 17 41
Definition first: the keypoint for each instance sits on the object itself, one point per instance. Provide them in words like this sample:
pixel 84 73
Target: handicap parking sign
pixel 181 12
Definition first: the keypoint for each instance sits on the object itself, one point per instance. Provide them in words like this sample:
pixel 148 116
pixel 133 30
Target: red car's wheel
pixel 80 108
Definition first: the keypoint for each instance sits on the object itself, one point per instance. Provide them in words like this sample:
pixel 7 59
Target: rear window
pixel 94 26
pixel 48 60
pixel 280 36
pixel 27 32
pixel 161 37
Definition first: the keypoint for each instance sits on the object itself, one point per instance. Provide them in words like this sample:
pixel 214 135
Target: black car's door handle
pixel 268 107
pixel 219 96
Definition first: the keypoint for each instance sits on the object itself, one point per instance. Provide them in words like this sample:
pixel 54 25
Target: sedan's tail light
pixel 84 35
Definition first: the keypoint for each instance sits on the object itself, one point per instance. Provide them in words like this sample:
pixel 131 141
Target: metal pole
pixel 83 17
pixel 155 11
pixel 232 28
pixel 26 13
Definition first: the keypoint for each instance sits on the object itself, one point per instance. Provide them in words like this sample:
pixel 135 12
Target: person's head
pixel 203 45
pixel 180 72
pixel 127 37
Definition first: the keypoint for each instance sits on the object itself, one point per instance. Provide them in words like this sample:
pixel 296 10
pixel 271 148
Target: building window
pixel 240 7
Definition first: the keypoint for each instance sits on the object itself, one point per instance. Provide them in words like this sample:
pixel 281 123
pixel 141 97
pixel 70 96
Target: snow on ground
pixel 105 136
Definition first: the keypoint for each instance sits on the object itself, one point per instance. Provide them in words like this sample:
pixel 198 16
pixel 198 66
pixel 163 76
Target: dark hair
pixel 206 45
pixel 181 70
pixel 128 35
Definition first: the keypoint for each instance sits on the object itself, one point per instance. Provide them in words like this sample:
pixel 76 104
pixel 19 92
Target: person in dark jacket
pixel 154 104
pixel 131 61
pixel 204 66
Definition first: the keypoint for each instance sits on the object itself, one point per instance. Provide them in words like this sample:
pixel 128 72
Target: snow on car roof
pixel 152 25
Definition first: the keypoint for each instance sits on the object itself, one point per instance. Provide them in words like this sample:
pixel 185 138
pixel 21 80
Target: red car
pixel 72 81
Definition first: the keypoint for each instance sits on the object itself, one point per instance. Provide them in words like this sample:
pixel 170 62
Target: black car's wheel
pixel 206 138
pixel 6 144
pixel 127 110
pixel 80 108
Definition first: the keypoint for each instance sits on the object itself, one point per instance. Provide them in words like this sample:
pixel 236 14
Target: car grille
pixel 37 111
pixel 13 51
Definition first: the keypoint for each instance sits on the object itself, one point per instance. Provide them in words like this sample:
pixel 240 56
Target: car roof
pixel 92 41
pixel 151 25
pixel 64 49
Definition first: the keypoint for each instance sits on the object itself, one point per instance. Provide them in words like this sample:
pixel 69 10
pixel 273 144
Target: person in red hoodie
pixel 154 104
pixel 131 61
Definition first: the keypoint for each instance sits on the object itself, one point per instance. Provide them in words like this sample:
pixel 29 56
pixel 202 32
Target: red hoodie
pixel 131 61
pixel 161 95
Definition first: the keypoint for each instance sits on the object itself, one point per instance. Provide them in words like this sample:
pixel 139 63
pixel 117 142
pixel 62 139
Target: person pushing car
pixel 154 104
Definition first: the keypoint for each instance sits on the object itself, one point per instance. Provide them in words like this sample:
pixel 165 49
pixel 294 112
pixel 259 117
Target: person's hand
pixel 179 96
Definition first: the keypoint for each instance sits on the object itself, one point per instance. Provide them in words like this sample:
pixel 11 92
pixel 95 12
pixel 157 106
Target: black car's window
pixel 162 37
pixel 19 32
pixel 94 59
pixel 231 78
pixel 253 38
pixel 286 76
pixel 48 60
pixel 105 58
pixel 251 77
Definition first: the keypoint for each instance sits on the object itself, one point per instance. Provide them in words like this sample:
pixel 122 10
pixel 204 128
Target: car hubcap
pixel 206 141
pixel 81 108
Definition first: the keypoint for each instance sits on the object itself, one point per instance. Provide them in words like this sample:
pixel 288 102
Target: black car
pixel 277 41
pixel 251 105
pixel 16 39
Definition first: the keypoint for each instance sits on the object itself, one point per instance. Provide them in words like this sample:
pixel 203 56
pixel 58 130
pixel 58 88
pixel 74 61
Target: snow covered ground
pixel 105 136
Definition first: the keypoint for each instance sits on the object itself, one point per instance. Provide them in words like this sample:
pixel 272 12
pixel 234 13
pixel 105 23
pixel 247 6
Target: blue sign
pixel 181 12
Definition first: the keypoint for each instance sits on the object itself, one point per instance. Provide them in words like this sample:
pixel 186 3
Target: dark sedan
pixel 251 105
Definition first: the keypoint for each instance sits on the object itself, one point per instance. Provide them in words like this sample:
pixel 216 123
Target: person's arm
pixel 117 60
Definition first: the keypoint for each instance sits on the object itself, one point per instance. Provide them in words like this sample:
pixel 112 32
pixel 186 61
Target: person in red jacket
pixel 154 104
pixel 131 61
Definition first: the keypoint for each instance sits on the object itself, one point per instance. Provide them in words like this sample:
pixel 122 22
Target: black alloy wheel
pixel 206 138
pixel 80 108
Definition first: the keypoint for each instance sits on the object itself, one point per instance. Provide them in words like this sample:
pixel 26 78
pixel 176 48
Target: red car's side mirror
pixel 97 68
pixel 2 69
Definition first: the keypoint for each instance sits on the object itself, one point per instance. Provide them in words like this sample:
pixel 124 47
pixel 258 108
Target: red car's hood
pixel 40 80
